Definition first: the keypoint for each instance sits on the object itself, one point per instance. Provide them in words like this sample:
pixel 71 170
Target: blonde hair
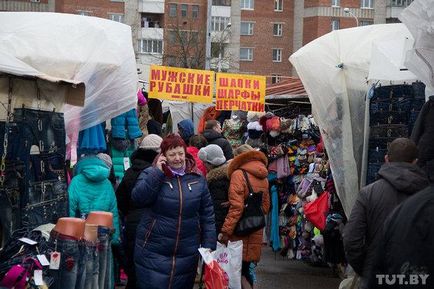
pixel 242 149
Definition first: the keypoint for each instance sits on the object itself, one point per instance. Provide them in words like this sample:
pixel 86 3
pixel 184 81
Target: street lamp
pixel 348 11
pixel 219 66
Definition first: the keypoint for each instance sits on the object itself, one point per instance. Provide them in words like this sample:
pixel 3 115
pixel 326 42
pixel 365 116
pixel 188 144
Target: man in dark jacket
pixel 407 245
pixel 399 178
pixel 141 159
pixel 213 134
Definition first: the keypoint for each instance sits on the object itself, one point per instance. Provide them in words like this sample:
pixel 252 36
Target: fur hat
pixel 151 142
pixel 254 116
pixel 106 159
pixel 242 149
pixel 212 154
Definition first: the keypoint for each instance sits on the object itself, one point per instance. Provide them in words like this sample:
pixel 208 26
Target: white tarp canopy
pixel 419 19
pixel 73 49
pixel 334 70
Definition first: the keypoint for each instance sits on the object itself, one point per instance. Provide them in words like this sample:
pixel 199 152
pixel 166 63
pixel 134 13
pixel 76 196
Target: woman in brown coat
pixel 255 164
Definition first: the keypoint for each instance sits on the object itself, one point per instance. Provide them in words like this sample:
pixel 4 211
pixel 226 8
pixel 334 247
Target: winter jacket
pixel 233 131
pixel 218 185
pixel 423 136
pixel 179 219
pixel 90 190
pixel 408 238
pixel 118 160
pixel 140 160
pixel 216 138
pixel 397 181
pixel 126 125
pixel 194 151
pixel 255 164
pixel 186 130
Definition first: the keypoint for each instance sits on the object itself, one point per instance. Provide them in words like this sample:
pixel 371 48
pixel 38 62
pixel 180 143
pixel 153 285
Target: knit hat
pixel 151 142
pixel 106 159
pixel 212 154
pixel 242 149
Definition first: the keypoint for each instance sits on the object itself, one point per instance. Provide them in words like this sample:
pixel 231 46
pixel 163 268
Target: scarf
pixel 178 172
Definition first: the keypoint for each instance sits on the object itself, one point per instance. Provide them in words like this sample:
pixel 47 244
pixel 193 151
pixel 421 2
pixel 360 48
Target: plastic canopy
pixel 334 70
pixel 73 49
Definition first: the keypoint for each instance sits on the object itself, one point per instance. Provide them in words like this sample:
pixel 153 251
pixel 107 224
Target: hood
pixel 211 135
pixel 190 165
pixel 404 177
pixel 142 158
pixel 254 162
pixel 93 169
pixel 218 173
pixel 186 129
pixel 193 151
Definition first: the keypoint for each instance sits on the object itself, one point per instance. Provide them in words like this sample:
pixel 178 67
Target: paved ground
pixel 278 273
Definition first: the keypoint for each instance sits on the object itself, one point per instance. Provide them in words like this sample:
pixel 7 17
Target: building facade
pixel 27 5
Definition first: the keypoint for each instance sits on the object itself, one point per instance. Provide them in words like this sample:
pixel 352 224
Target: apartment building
pixel 108 9
pixel 27 5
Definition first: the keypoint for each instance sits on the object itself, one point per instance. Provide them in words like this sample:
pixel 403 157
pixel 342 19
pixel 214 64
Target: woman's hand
pixel 223 238
pixel 161 162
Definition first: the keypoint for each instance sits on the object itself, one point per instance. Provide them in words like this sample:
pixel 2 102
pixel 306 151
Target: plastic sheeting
pixel 334 70
pixel 181 110
pixel 419 19
pixel 95 51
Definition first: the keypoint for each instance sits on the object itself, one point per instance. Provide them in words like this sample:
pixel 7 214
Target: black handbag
pixel 253 218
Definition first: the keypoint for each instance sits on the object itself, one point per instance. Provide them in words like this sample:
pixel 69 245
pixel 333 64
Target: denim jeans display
pixel 67 275
pixel 89 266
pixel 40 177
pixel 393 111
pixel 105 277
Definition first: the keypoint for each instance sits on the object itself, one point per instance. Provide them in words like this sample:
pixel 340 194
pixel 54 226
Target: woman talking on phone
pixel 179 219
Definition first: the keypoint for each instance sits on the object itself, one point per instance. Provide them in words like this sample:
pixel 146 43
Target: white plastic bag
pixel 230 259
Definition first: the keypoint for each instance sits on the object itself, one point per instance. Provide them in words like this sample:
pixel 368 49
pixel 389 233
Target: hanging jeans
pixel 105 257
pixel 48 128
pixel 68 273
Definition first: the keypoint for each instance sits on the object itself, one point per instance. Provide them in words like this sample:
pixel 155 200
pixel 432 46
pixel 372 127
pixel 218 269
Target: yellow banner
pixel 240 92
pixel 181 84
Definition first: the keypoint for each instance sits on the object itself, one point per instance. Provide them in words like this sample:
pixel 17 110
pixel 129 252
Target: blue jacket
pixel 128 122
pixel 186 130
pixel 90 190
pixel 179 219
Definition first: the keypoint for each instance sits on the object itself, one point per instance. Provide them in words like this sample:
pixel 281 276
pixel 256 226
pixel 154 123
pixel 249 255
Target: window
pixel 366 22
pixel 172 37
pixel 83 13
pixel 246 54
pixel 277 55
pixel 195 11
pixel 117 17
pixel 173 10
pixel 278 5
pixel 366 3
pixel 248 4
pixel 335 24
pixel 277 29
pixel 336 3
pixel 219 23
pixel 221 2
pixel 150 46
pixel 247 28
pixel 216 48
pixel 184 10
pixel 275 78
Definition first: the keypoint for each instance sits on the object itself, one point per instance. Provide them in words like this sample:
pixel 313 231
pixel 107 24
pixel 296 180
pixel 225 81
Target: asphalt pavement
pixel 275 272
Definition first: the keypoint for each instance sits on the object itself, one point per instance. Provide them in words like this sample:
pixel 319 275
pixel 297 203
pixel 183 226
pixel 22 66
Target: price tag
pixel 43 260
pixel 55 260
pixel 28 241
pixel 126 163
pixel 37 277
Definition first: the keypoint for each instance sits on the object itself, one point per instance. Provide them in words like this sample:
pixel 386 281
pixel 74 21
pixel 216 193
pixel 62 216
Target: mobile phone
pixel 166 170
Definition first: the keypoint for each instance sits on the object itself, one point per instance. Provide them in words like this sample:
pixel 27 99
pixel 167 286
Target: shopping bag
pixel 214 277
pixel 316 211
pixel 230 259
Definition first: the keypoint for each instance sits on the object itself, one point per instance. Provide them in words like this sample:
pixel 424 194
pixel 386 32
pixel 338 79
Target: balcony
pixel 151 33
pixel 150 20
pixel 395 8
pixel 151 6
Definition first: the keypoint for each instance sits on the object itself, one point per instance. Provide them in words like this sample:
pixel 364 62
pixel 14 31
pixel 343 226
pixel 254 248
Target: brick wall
pixel 262 41
pixel 98 8
pixel 324 3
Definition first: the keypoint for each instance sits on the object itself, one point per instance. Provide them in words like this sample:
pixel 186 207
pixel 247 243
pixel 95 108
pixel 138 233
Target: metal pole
pixel 208 36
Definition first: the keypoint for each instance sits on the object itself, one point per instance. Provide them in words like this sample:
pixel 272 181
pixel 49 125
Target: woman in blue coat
pixel 179 219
